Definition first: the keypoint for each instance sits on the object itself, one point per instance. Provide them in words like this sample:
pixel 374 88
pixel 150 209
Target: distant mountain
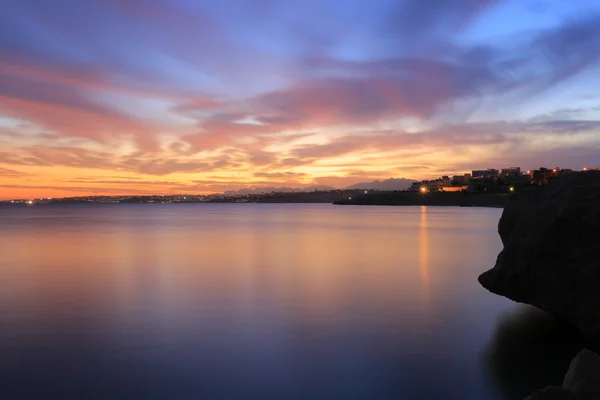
pixel 388 184
pixel 277 189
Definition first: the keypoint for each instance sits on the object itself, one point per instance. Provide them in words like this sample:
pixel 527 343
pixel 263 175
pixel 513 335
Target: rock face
pixel 582 381
pixel 551 255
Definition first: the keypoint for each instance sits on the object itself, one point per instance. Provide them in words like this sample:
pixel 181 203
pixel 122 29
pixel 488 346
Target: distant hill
pixel 278 189
pixel 388 184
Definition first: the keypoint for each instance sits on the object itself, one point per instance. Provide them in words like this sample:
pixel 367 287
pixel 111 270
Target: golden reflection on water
pixel 317 260
pixel 424 255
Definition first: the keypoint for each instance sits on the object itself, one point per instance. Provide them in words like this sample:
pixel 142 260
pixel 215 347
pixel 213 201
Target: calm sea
pixel 219 301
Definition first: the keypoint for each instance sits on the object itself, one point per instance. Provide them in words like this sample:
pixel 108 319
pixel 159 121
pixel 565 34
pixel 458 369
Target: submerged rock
pixel 582 381
pixel 551 255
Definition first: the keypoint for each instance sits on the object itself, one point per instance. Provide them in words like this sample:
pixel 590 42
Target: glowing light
pixel 554 170
pixel 512 189
pixel 349 198
pixel 423 189
pixel 30 202
pixel 366 192
pixel 585 169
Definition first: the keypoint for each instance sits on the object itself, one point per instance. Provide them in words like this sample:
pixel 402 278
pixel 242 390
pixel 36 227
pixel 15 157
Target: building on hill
pixel 431 185
pixel 435 185
pixel 478 185
pixel 512 171
pixel 562 172
pixel 446 181
pixel 460 180
pixel 489 173
pixel 541 176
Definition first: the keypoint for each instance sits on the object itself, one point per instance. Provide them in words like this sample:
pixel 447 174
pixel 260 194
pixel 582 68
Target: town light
pixel 512 189
pixel 423 189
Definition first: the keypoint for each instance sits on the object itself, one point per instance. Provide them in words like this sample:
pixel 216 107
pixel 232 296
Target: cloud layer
pixel 205 96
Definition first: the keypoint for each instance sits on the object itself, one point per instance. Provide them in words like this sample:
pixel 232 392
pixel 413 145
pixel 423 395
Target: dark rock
pixel 529 350
pixel 552 393
pixel 582 381
pixel 583 376
pixel 551 255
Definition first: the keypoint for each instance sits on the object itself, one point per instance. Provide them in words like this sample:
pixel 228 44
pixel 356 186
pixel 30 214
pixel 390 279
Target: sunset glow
pixel 177 96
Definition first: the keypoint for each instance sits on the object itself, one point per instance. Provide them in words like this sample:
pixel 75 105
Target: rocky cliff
pixel 551 255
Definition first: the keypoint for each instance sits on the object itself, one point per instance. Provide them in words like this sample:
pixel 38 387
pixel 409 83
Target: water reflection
pixel 530 350
pixel 424 254
pixel 207 301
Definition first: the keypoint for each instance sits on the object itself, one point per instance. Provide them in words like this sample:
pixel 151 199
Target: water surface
pixel 251 301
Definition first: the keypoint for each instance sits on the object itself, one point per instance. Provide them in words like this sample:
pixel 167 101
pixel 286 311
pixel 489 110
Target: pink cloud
pixel 70 120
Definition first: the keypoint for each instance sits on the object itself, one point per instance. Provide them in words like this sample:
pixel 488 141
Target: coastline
pixel 370 198
pixel 451 199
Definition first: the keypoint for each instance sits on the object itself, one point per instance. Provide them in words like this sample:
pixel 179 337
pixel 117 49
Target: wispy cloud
pixel 11 173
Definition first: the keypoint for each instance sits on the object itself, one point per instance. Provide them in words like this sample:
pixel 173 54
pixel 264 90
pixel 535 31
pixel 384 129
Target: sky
pixel 194 96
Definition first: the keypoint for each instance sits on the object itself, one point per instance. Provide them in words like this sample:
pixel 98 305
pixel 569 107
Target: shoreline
pixel 426 205
pixel 82 203
pixel 442 199
pixel 379 199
